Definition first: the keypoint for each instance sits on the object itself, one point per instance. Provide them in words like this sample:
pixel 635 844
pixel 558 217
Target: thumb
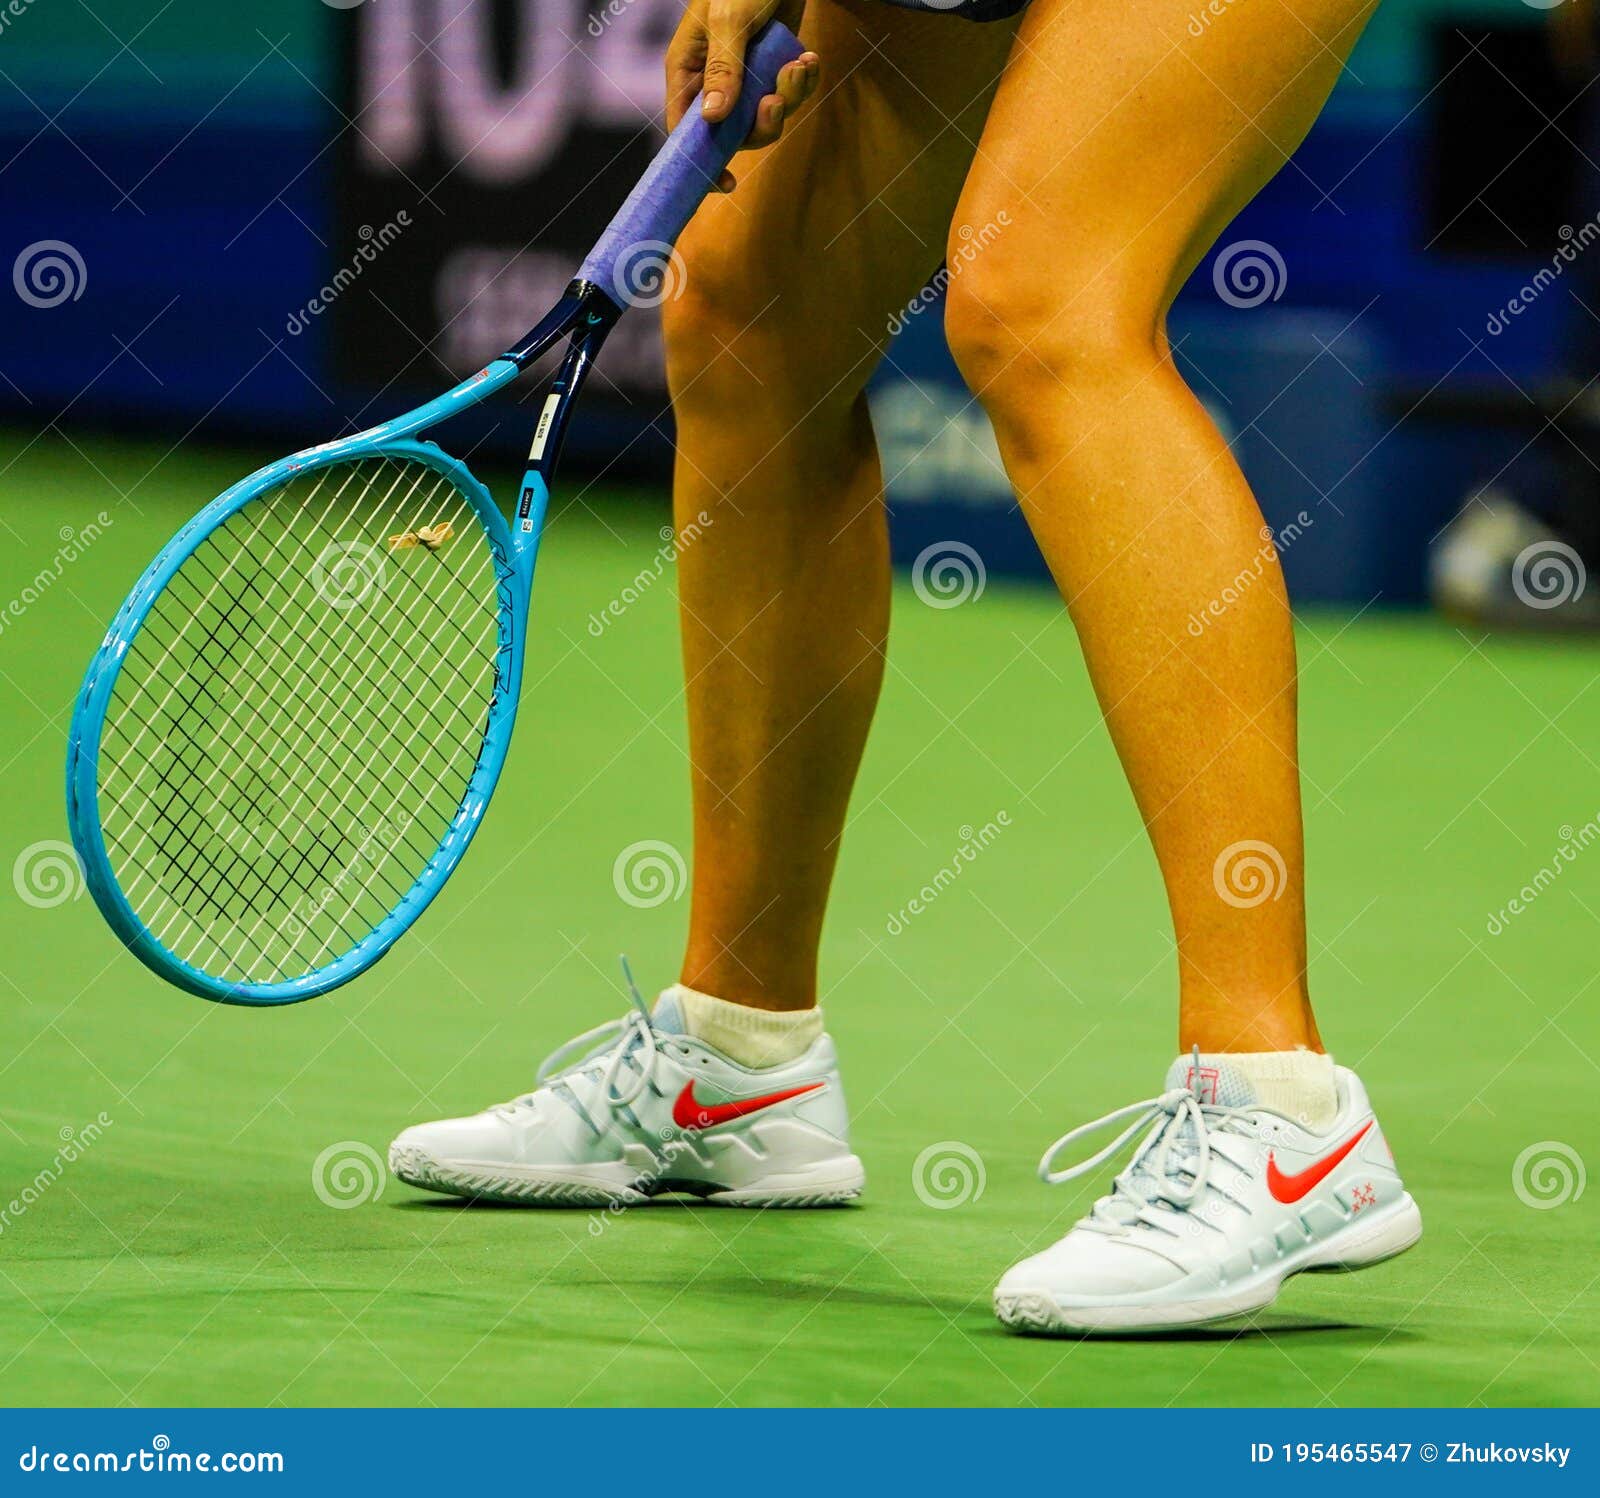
pixel 724 71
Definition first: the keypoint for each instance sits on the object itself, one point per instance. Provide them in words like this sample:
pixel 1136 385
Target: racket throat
pixel 583 309
pixel 584 317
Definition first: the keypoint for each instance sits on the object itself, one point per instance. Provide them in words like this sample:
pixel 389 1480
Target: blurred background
pixel 276 221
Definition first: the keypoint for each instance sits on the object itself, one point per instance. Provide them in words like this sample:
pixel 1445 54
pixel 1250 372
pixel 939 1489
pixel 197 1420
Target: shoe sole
pixel 842 1181
pixel 1360 1244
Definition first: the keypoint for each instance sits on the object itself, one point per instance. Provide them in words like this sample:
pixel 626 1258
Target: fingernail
pixel 713 103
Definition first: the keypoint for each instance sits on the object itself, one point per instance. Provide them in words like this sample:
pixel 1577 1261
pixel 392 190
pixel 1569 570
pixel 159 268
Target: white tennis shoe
pixel 1223 1200
pixel 638 1109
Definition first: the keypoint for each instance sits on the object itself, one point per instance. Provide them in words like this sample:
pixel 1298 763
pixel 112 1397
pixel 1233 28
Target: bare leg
pixel 785 594
pixel 1120 145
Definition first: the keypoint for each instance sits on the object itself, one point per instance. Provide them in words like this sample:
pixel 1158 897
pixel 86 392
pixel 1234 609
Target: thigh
pixel 839 225
pixel 1127 133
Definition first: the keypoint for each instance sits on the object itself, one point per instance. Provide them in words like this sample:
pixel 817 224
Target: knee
pixel 1022 338
pixel 705 312
pixel 739 335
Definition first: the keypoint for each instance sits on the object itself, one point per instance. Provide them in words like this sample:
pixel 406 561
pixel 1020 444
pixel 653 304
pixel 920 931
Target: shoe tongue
pixel 667 1016
pixel 1211 1080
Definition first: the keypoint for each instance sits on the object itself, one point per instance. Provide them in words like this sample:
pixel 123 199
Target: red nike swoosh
pixel 688 1113
pixel 1286 1189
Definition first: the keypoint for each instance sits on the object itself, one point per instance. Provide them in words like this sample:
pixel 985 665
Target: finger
pixel 769 123
pixel 795 85
pixel 724 70
pixel 686 60
pixel 680 96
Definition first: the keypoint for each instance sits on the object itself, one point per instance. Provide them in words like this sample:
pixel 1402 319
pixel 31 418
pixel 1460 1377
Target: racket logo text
pixel 533 493
pixel 541 434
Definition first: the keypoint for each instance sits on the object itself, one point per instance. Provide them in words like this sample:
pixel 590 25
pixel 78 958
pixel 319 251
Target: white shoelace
pixel 1170 1170
pixel 631 1043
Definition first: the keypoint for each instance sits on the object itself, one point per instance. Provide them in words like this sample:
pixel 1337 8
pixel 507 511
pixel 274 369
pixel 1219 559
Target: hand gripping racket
pixel 295 722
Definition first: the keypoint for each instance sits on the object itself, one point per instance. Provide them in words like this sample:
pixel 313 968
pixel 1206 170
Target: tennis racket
pixel 296 720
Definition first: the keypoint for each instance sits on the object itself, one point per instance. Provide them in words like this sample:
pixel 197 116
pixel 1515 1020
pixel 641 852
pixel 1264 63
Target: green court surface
pixel 174 1246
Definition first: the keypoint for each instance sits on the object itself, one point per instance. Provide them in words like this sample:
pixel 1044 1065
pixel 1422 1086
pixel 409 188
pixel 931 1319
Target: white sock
pixel 1298 1083
pixel 752 1037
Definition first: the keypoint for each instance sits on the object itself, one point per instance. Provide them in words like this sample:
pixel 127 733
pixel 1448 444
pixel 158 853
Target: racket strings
pixel 193 614
pixel 429 719
pixel 209 624
pixel 296 723
pixel 177 673
pixel 332 703
pixel 189 610
pixel 363 808
pixel 317 859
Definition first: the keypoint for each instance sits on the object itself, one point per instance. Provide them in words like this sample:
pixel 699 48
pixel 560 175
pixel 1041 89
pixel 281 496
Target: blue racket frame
pixel 654 215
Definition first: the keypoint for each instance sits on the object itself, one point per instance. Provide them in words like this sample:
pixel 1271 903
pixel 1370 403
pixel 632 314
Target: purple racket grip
pixel 631 256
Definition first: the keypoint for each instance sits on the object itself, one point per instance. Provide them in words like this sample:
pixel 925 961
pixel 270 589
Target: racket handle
pixel 632 255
